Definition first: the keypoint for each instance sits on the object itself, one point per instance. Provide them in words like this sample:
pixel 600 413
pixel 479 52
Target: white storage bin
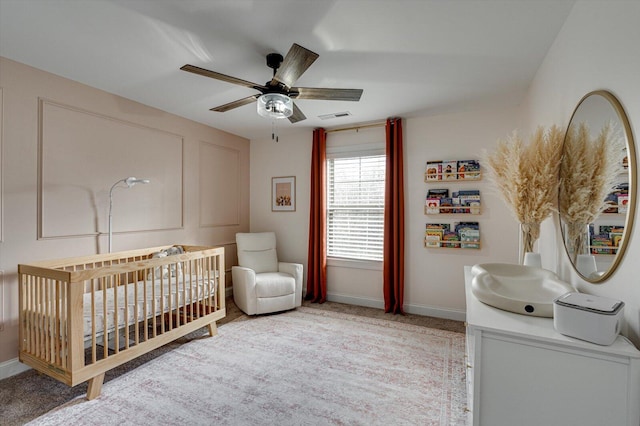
pixel 587 317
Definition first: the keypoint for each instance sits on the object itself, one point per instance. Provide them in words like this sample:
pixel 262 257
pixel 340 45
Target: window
pixel 355 207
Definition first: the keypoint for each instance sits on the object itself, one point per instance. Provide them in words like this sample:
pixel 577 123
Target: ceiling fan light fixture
pixel 275 105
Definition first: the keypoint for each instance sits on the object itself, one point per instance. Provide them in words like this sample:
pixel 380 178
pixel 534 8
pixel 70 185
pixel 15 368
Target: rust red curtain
pixel 317 256
pixel 393 249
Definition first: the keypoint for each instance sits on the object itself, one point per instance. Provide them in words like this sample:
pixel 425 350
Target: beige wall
pixel 434 281
pixel 596 49
pixel 65 144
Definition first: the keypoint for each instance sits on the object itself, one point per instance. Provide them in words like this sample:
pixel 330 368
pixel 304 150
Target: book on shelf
pixel 601 240
pixel 610 229
pixel 438 193
pixel 620 193
pixel 470 238
pixel 434 233
pixel 463 235
pixel 469 233
pixel 446 205
pixel 612 203
pixel 466 225
pixel 433 206
pixel 431 240
pixel 469 169
pixel 469 201
pixel 616 238
pixel 441 227
pixel 450 240
pixel 434 200
pixel 623 203
pixel 474 207
pixel 434 170
pixel 449 170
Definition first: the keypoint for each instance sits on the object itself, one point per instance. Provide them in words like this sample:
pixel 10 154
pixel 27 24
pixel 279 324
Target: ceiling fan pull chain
pixel 274 131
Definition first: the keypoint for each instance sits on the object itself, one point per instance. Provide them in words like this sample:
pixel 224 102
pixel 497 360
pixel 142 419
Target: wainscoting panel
pixel 83 154
pixel 1 169
pixel 3 300
pixel 219 185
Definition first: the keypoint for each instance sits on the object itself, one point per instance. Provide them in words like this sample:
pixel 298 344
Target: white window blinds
pixel 355 207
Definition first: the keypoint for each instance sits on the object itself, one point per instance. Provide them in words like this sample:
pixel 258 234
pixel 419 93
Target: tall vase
pixel 529 234
pixel 577 239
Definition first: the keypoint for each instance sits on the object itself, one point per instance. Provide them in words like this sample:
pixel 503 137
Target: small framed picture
pixel 283 194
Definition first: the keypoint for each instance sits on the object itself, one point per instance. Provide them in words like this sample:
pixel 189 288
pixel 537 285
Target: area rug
pixel 303 367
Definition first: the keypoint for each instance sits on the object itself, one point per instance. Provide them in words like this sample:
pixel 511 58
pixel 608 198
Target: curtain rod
pixel 364 126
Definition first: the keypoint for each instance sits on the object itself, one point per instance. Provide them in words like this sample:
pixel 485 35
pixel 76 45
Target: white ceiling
pixel 411 57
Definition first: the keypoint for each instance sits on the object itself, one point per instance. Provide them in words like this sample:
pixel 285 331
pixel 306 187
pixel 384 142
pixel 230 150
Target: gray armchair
pixel 261 284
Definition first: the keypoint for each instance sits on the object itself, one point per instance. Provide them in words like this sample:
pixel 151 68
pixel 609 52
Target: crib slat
pixel 64 324
pixel 116 320
pixel 105 327
pixel 144 307
pixel 41 319
pixel 55 306
pixel 184 292
pixel 126 312
pixel 94 342
pixel 153 305
pixel 136 311
pixel 170 297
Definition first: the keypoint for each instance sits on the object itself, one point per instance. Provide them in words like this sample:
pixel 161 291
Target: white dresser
pixel 522 372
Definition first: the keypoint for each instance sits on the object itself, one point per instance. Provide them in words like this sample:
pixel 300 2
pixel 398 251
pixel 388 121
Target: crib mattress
pixel 153 298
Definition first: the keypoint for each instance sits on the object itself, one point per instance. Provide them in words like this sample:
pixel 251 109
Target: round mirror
pixel 596 201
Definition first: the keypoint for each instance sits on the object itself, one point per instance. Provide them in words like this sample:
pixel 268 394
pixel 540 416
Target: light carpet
pixel 303 367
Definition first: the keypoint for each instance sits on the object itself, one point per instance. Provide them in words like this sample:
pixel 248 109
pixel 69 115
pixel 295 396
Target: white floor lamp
pixel 130 181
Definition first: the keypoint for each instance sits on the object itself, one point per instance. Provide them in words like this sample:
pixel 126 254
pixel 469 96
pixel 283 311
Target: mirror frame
pixel 631 211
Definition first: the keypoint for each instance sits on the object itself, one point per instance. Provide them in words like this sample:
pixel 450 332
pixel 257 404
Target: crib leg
pixel 95 386
pixel 213 329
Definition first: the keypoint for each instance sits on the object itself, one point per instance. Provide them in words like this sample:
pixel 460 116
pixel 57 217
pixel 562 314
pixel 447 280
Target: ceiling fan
pixel 275 99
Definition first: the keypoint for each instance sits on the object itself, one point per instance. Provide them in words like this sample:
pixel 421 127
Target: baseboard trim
pixel 432 311
pixel 11 368
pixel 355 300
pixel 427 311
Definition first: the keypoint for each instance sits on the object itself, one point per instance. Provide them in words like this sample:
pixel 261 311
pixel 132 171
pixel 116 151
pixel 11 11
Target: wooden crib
pixel 80 317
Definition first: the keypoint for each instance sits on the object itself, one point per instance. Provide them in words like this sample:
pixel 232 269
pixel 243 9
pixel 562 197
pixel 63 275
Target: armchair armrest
pixel 295 270
pixel 244 288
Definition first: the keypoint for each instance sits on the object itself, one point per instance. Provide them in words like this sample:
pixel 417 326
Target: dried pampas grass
pixel 589 172
pixel 526 176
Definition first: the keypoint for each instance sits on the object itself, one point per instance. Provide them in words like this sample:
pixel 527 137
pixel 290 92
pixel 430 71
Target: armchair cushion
pixel 257 251
pixel 274 284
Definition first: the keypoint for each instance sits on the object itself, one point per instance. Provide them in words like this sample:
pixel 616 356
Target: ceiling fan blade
pixel 297 114
pixel 223 77
pixel 297 61
pixel 326 94
pixel 236 104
